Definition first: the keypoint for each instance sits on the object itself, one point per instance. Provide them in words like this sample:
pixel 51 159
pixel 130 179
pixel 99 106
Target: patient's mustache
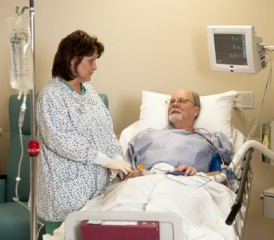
pixel 175 115
pixel 174 110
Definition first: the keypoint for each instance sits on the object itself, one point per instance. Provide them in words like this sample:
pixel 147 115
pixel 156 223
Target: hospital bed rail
pixel 238 213
pixel 243 158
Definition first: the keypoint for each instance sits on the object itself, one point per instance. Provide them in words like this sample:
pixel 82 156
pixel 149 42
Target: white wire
pixel 266 89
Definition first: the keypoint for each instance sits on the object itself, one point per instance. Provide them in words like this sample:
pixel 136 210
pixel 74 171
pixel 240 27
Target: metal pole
pixel 33 158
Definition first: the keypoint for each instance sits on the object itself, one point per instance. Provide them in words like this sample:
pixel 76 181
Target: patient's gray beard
pixel 175 117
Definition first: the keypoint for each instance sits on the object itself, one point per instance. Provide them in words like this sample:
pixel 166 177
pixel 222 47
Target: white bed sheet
pixel 202 204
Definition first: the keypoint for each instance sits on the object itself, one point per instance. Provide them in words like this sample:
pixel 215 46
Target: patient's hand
pixel 133 174
pixel 188 170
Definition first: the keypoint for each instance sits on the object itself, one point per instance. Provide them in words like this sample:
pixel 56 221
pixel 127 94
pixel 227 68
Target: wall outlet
pixel 244 99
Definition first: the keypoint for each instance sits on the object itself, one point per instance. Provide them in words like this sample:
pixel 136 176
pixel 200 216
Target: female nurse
pixel 78 147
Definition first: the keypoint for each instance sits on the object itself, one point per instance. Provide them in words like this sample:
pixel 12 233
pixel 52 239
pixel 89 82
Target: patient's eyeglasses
pixel 180 101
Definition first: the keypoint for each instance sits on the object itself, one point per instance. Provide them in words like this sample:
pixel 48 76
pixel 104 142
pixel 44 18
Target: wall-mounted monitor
pixel 235 49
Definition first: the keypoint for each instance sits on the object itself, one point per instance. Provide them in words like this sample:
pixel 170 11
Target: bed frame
pixel 238 212
pixel 170 223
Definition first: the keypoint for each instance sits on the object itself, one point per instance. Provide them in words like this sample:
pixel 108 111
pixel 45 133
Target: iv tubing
pixel 20 124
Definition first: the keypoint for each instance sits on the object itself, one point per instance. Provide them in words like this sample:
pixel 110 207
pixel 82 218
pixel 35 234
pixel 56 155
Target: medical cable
pixel 204 129
pixel 266 89
pixel 167 175
pixel 161 170
pixel 230 175
pixel 227 182
pixel 223 166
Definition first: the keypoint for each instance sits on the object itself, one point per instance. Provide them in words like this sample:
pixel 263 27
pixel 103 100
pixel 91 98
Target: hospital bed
pixel 234 196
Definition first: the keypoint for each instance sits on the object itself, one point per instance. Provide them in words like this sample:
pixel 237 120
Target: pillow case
pixel 215 114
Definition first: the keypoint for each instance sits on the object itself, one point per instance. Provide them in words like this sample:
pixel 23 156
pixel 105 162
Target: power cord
pixel 266 89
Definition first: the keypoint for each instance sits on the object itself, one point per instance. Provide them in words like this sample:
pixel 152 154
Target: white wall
pixel 155 45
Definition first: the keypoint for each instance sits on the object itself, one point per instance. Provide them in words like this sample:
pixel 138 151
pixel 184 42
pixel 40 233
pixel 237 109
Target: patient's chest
pixel 175 147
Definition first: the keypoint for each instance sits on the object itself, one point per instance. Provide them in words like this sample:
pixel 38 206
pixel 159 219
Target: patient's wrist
pixel 212 173
pixel 134 173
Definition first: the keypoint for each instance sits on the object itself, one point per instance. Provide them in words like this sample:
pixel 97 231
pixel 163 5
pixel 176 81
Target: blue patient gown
pixel 177 147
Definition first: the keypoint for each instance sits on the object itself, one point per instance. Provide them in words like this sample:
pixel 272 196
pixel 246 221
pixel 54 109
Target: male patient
pixel 180 145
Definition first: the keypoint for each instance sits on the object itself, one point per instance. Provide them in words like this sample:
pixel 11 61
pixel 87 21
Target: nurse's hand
pixel 118 164
pixel 119 174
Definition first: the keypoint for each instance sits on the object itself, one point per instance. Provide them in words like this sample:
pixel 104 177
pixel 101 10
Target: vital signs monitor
pixel 235 49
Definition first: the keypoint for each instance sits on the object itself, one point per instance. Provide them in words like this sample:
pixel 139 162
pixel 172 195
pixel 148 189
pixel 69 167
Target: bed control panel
pixel 119 230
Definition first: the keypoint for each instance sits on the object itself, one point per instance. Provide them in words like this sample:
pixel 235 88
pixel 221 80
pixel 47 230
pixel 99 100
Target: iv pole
pixel 33 147
pixel 33 144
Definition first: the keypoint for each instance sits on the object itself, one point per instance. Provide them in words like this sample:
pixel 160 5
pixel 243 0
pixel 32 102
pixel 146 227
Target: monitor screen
pixel 235 49
pixel 230 49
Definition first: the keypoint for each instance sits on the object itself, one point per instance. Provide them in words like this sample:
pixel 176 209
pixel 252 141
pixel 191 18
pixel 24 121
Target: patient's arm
pixel 134 173
pixel 185 169
pixel 212 173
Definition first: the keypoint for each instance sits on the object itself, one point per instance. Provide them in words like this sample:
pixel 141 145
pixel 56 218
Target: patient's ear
pixel 196 111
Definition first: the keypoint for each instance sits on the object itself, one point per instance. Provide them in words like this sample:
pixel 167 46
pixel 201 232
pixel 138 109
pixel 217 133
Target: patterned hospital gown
pixel 76 135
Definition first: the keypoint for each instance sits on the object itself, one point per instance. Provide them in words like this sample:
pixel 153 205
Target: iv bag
pixel 21 57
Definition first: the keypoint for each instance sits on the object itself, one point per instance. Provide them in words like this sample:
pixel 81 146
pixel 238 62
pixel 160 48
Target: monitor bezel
pixel 252 48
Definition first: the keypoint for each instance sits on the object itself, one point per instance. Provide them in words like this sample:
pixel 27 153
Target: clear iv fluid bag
pixel 21 57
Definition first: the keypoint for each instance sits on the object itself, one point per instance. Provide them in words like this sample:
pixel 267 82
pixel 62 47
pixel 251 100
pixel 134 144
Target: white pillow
pixel 154 109
pixel 215 114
